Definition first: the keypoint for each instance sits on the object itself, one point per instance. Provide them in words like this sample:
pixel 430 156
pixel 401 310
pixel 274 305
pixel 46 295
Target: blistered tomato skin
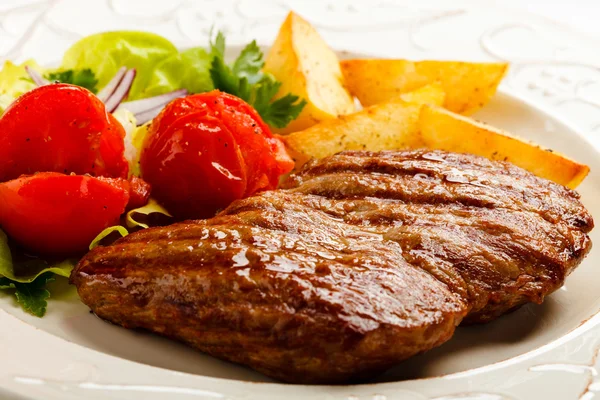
pixel 60 128
pixel 139 192
pixel 59 215
pixel 207 150
pixel 194 166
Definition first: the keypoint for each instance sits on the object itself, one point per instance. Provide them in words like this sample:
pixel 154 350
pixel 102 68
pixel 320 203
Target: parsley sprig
pixel 243 78
pixel 31 296
pixel 83 77
pixel 246 80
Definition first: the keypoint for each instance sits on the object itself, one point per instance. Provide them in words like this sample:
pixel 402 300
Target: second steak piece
pixel 363 260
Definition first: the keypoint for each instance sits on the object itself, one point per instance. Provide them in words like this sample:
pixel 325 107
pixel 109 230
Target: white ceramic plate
pixel 72 354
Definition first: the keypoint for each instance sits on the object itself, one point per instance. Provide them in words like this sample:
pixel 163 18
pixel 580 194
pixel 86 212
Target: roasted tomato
pixel 139 192
pixel 56 214
pixel 206 150
pixel 61 128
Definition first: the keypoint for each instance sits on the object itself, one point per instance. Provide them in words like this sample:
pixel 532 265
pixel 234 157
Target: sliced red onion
pixel 144 116
pixel 37 78
pixel 121 91
pixel 110 87
pixel 140 106
pixel 117 89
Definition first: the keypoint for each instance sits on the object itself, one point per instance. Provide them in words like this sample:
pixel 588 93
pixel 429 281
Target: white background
pixel 582 15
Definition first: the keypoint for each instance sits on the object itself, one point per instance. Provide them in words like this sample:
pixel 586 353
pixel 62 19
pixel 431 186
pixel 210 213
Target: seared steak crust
pixel 361 260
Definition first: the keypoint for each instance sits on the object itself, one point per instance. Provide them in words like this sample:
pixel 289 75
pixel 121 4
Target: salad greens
pixel 185 70
pixel 98 240
pixel 246 80
pixel 32 296
pixel 134 220
pixel 14 81
pixel 160 68
pixel 105 53
pixel 27 278
pixel 26 271
pixel 83 77
pixel 138 218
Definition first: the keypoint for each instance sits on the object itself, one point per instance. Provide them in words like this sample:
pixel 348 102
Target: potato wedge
pixel 468 86
pixel 308 68
pixel 443 130
pixel 428 94
pixel 391 125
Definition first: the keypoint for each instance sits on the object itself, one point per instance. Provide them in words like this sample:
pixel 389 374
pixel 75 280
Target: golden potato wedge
pixel 468 86
pixel 429 94
pixel 391 125
pixel 308 68
pixel 443 130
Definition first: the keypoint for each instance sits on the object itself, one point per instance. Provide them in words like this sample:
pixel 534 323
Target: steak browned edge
pixel 360 261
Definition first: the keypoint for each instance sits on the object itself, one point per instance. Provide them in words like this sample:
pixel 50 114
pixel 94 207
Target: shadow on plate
pixel 529 320
pixel 150 349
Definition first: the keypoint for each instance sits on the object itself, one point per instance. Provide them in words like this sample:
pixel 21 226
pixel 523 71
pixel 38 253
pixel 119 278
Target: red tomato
pixel 139 192
pixel 56 214
pixel 61 128
pixel 207 150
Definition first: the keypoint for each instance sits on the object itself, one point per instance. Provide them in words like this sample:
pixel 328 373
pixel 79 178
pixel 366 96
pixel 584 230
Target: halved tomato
pixel 55 214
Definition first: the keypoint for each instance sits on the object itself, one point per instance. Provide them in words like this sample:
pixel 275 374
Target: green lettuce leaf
pixel 27 270
pixel 105 53
pixel 140 217
pixel 27 278
pixel 188 70
pixel 14 81
pixel 110 231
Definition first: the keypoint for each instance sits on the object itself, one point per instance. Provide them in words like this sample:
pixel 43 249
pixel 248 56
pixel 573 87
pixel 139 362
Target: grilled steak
pixel 360 261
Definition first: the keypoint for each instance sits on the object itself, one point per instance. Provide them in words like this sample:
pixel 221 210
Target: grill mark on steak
pixel 492 184
pixel 362 260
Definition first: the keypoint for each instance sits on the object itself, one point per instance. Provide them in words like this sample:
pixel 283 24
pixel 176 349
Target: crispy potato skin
pixel 397 125
pixel 468 86
pixel 440 129
pixel 308 68
pixel 391 125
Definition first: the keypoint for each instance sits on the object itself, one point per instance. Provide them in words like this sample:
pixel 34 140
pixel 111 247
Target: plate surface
pixel 72 354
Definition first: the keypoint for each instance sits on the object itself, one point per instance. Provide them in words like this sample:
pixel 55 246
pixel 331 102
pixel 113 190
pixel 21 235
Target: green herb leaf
pixel 32 296
pixel 223 78
pixel 283 110
pixel 246 80
pixel 28 277
pixel 217 48
pixel 280 112
pixel 249 63
pixel 83 77
pixel 266 90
